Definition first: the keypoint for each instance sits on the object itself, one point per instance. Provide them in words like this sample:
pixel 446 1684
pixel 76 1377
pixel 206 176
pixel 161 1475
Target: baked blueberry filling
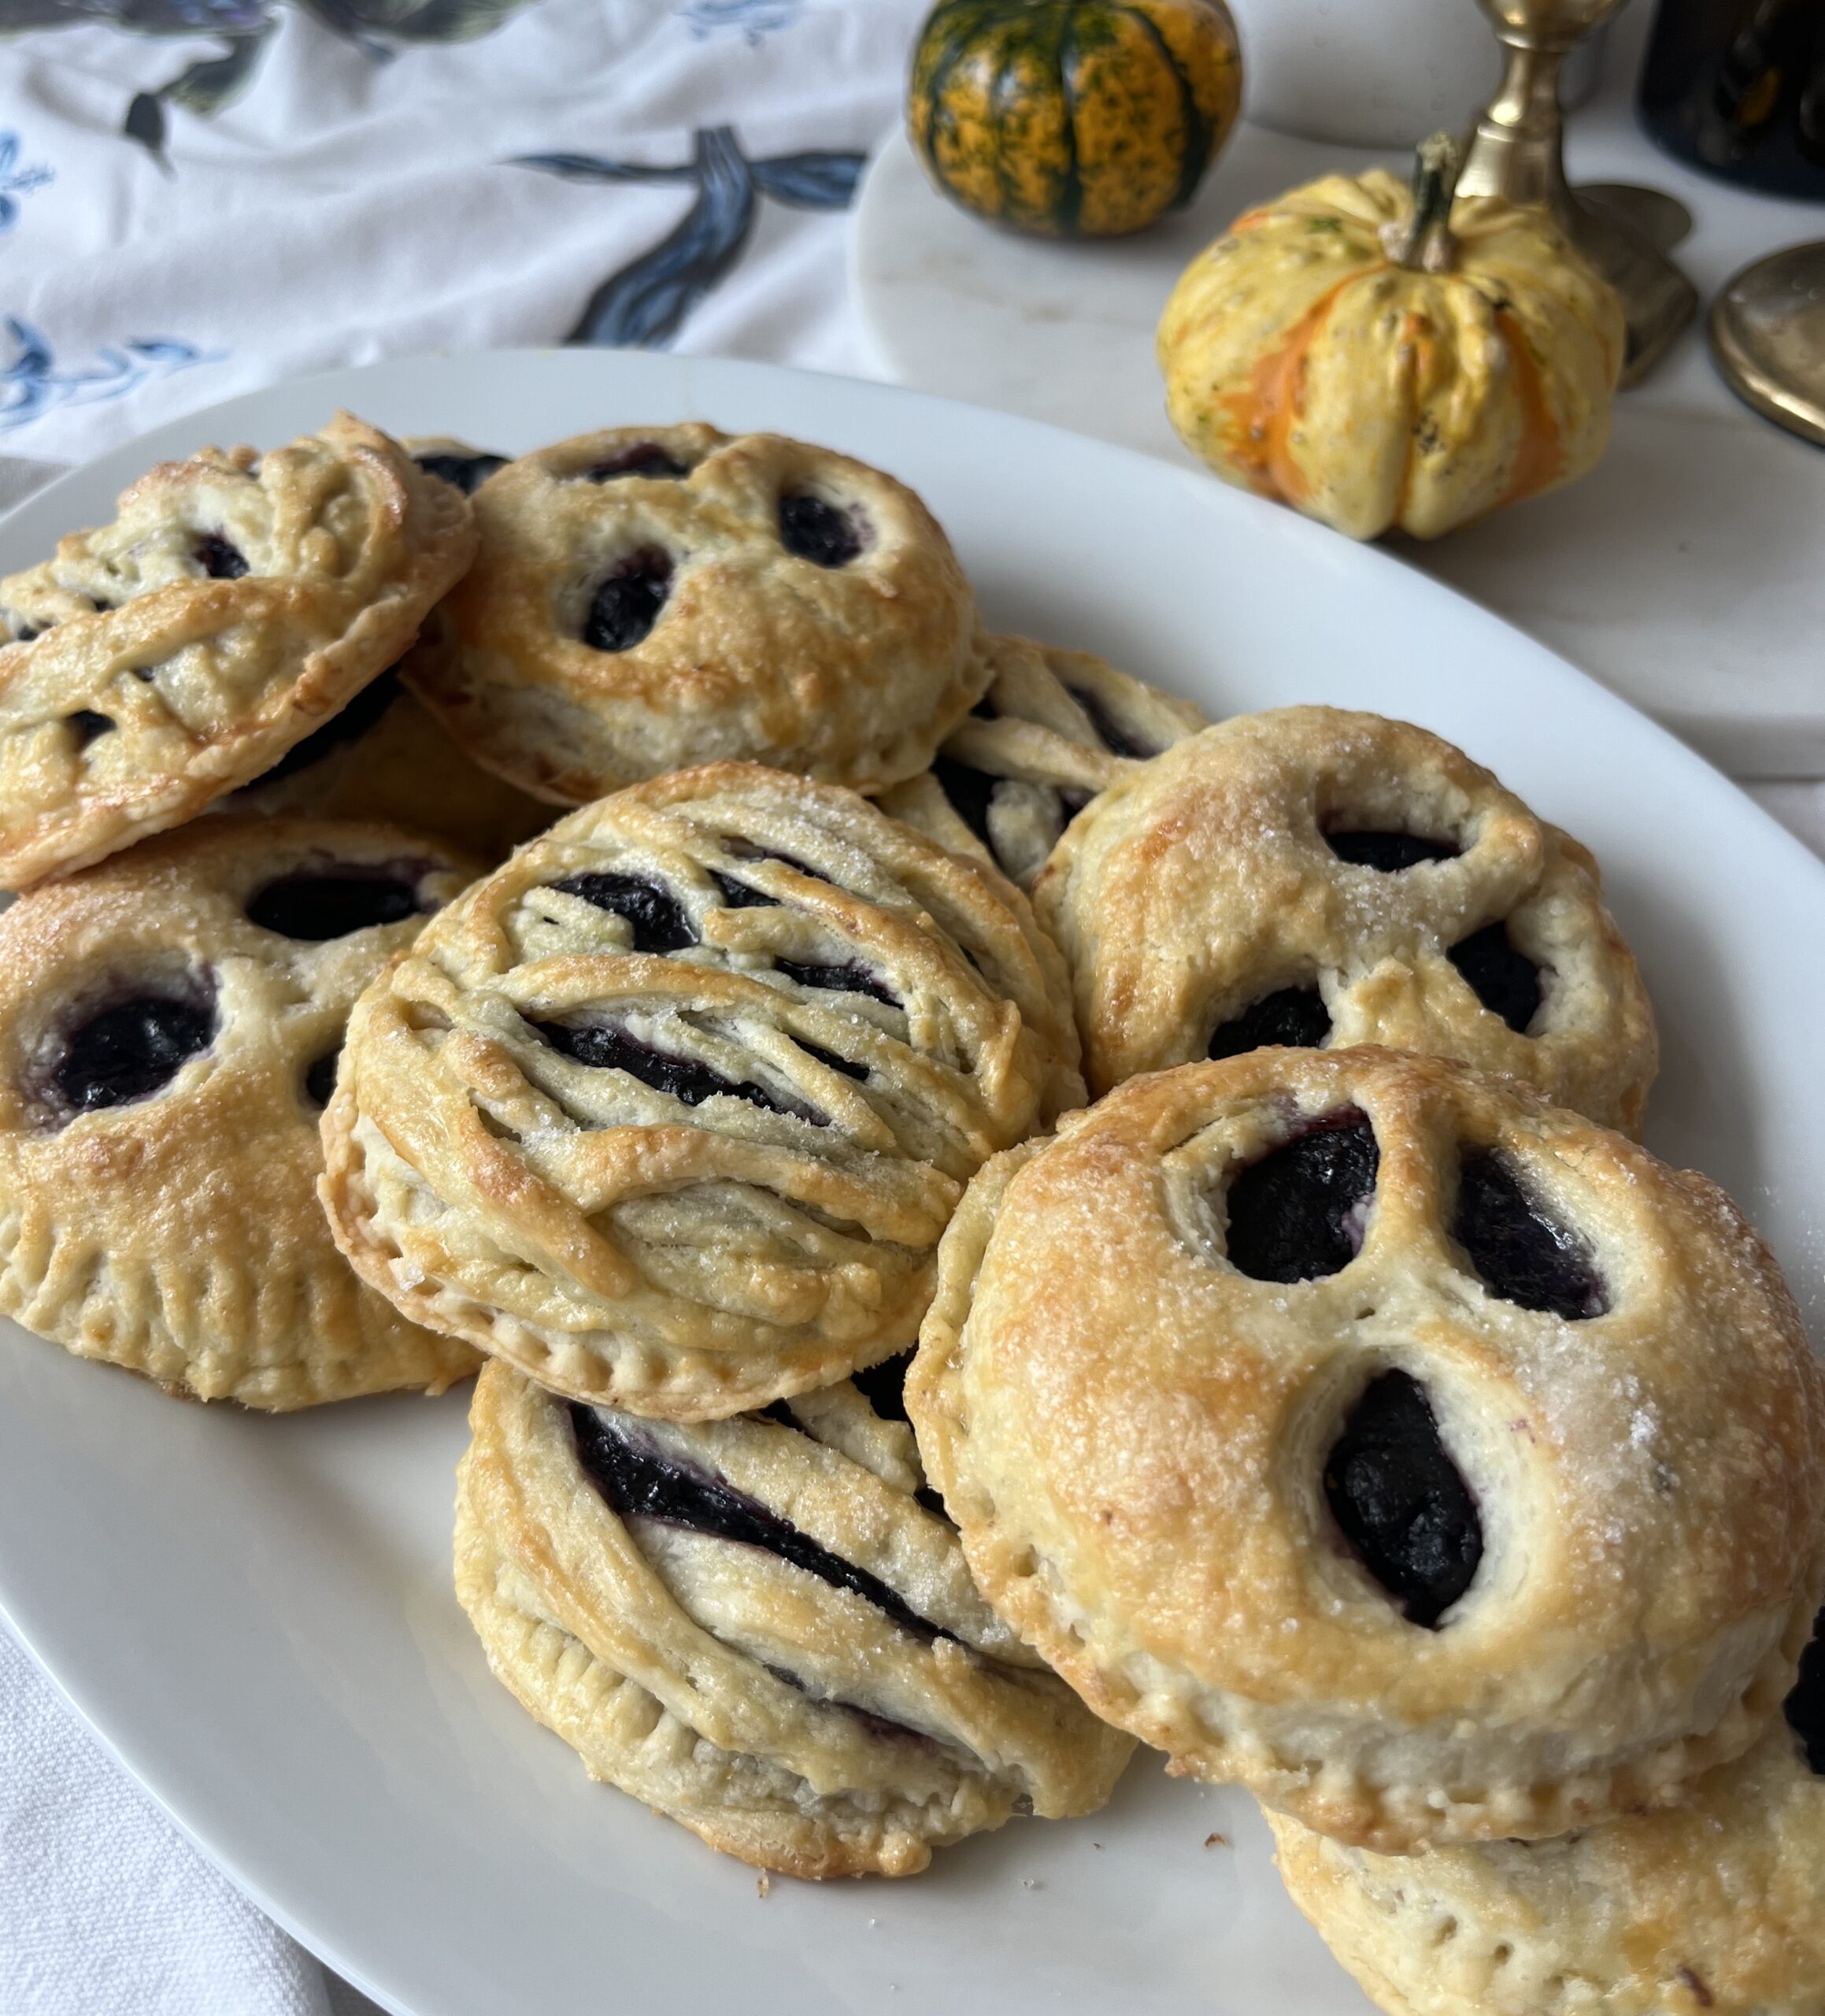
pixel 625 607
pixel 970 791
pixel 85 724
pixel 313 908
pixel 1388 852
pixel 984 709
pixel 219 558
pixel 1505 981
pixel 1294 1016
pixel 1109 733
pixel 605 1049
pixel 131 1049
pixel 850 979
pixel 1402 1502
pixel 1299 1212
pixel 829 1056
pixel 320 1078
pixel 354 722
pixel 468 473
pixel 883 1386
pixel 742 896
pixel 822 533
pixel 1806 1704
pixel 658 918
pixel 26 632
pixel 1517 1250
pixel 640 1481
pixel 645 458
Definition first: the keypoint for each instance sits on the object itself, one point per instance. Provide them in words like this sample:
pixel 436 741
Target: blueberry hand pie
pixel 1312 877
pixel 672 1110
pixel 759 1627
pixel 169 1024
pixel 646 598
pixel 235 603
pixel 1359 1428
pixel 1054 728
pixel 1717 1906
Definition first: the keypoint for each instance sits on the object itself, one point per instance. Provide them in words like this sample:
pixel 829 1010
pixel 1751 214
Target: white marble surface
pixel 1684 572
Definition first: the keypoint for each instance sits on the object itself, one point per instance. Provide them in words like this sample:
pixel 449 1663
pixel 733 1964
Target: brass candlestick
pixel 1517 151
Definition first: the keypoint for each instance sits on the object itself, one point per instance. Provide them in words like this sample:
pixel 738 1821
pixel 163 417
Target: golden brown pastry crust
pixel 180 1235
pixel 141 688
pixel 1132 1434
pixel 853 674
pixel 1198 885
pixel 1054 728
pixel 784 1720
pixel 857 1019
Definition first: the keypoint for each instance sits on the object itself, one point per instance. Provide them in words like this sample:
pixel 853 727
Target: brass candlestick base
pixel 1517 152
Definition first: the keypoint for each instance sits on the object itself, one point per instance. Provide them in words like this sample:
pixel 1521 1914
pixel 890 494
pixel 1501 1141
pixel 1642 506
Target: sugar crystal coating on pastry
pixel 1718 1905
pixel 235 603
pixel 759 1627
pixel 1054 728
pixel 1309 876
pixel 1359 1428
pixel 170 1027
pixel 649 599
pixel 671 1111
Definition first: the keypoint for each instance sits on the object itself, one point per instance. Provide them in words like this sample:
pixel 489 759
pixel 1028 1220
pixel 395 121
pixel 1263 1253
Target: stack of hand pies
pixel 871 1441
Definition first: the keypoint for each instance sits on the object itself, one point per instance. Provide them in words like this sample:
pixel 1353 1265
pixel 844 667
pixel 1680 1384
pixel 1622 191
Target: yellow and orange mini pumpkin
pixel 1385 360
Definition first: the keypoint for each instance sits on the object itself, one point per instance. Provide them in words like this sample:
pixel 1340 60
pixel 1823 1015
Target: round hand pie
pixel 1432 1461
pixel 234 604
pixel 1054 728
pixel 1717 1906
pixel 672 1110
pixel 759 1628
pixel 1312 877
pixel 169 1024
pixel 646 598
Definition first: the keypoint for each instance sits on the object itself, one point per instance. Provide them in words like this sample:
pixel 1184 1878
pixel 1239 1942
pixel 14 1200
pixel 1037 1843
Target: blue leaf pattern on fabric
pixel 32 383
pixel 753 20
pixel 15 181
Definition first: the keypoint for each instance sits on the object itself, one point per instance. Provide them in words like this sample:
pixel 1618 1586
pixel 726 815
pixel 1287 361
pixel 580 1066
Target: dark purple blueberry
pixel 1516 1250
pixel 26 631
pixel 971 792
pixel 1072 800
pixel 468 473
pixel 85 725
pixel 1388 852
pixel 824 533
pixel 883 1386
pixel 219 558
pixel 1299 1212
pixel 1505 981
pixel 313 908
pixel 658 918
pixel 744 849
pixel 645 458
pixel 640 1481
pixel 1295 1017
pixel 829 1057
pixel 1402 1502
pixel 851 978
pixel 320 1078
pixel 742 896
pixel 131 1049
pixel 360 714
pixel 625 607
pixel 1109 733
pixel 605 1049
pixel 1806 1704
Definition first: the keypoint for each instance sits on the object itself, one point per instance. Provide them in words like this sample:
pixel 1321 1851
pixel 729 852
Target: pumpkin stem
pixel 1426 245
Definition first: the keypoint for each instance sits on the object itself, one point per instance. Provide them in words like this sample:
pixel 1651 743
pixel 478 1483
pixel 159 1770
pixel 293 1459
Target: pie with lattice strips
pixel 1357 1427
pixel 1718 1905
pixel 1312 877
pixel 648 598
pixel 762 1627
pixel 1054 728
pixel 235 603
pixel 672 1110
pixel 170 1025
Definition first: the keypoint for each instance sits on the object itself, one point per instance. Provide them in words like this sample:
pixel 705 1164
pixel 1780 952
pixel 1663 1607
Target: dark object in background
pixel 1737 87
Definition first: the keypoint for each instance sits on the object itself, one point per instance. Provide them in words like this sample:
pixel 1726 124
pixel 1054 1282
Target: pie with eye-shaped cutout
pixel 649 598
pixel 1359 1428
pixel 761 1627
pixel 1717 1905
pixel 1054 728
pixel 169 1026
pixel 1310 878
pixel 235 603
pixel 671 1110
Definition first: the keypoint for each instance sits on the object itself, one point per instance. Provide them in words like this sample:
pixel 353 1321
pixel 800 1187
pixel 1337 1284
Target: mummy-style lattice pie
pixel 759 1627
pixel 1717 1906
pixel 235 604
pixel 1431 1461
pixel 1309 876
pixel 672 1110
pixel 646 598
pixel 1054 728
pixel 169 1024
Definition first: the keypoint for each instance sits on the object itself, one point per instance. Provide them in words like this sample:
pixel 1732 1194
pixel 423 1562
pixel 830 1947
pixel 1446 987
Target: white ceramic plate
pixel 255 1614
